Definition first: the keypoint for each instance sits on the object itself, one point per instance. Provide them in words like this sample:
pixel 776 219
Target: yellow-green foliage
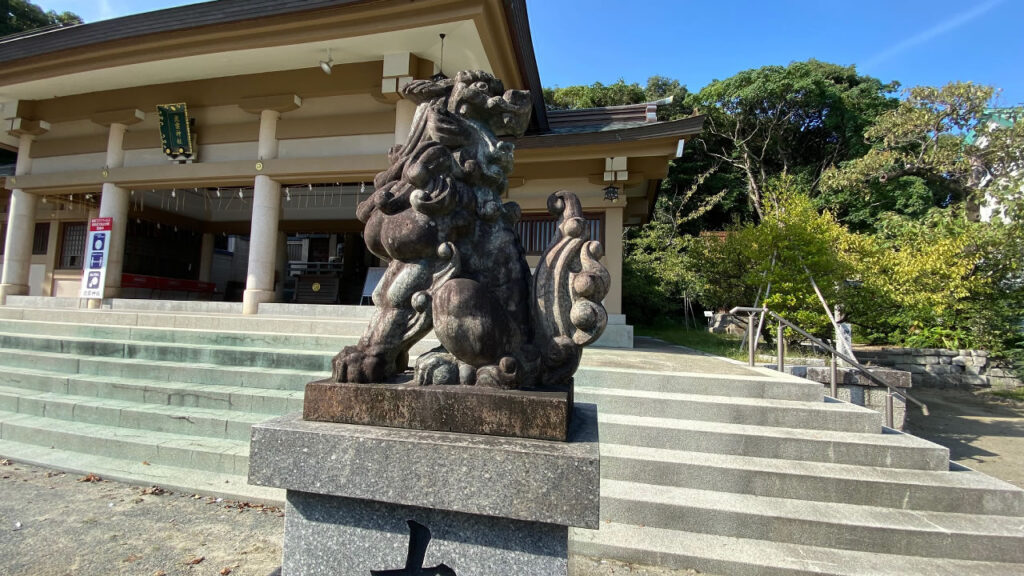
pixel 791 244
pixel 940 281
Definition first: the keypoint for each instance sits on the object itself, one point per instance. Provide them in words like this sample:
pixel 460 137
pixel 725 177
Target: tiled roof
pixel 584 120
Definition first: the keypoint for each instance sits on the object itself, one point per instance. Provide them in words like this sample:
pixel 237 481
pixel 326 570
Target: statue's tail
pixel 568 287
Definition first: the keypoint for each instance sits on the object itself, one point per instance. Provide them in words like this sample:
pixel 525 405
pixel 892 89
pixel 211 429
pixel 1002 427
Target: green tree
pixel 942 138
pixel 937 276
pixel 657 273
pixel 941 281
pixel 20 16
pixel 789 246
pixel 797 119
pixel 599 95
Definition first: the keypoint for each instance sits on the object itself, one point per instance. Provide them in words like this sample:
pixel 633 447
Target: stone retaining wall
pixel 941 368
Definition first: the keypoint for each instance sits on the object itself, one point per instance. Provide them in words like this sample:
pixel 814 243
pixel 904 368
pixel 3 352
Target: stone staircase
pixel 156 392
pixel 706 464
pixel 763 475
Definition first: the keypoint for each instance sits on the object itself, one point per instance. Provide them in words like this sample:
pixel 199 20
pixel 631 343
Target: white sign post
pixel 94 273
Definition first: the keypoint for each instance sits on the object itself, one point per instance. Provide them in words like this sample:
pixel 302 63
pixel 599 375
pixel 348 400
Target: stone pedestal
pixel 537 414
pixel 367 499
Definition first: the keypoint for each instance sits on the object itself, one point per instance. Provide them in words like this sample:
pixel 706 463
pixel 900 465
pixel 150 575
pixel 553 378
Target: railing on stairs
pixel 783 324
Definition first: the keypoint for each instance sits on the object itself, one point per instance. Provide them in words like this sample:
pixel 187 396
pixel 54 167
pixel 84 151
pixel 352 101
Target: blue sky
pixel 913 41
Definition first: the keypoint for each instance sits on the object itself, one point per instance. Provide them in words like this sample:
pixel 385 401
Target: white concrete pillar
pixel 206 257
pixel 266 203
pixel 115 200
pixel 405 111
pixel 266 209
pixel 114 204
pixel 268 135
pixel 21 225
pixel 613 257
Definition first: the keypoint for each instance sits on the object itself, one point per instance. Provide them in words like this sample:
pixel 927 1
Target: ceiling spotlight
pixel 174 193
pixel 325 65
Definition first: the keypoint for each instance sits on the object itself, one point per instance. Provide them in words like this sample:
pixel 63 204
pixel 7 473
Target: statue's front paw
pixel 353 364
pixel 439 367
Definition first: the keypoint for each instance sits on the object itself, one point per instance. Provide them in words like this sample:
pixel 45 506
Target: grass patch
pixel 697 338
pixel 1015 394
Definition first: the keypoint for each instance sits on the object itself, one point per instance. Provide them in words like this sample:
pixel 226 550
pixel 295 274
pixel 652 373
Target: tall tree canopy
pixel 20 15
pixel 946 144
pixel 797 119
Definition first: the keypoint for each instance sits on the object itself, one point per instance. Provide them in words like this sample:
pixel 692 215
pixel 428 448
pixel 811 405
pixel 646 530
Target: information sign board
pixel 97 249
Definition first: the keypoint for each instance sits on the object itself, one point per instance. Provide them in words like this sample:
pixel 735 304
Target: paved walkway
pixel 981 432
pixel 653 354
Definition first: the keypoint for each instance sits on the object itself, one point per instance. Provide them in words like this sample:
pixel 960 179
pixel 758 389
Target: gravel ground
pixel 57 524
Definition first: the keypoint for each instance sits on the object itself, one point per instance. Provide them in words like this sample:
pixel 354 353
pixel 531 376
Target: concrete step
pixel 713 554
pixel 165 393
pixel 189 452
pixel 890 449
pixel 174 478
pixel 183 353
pixel 827 415
pixel 751 386
pixel 343 322
pixel 88 367
pixel 187 421
pixel 205 337
pixel 814 481
pixel 843 526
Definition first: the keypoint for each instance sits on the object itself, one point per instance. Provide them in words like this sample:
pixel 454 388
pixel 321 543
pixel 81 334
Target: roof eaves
pixel 146 23
pixel 522 41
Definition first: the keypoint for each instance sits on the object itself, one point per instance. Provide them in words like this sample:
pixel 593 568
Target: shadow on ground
pixel 981 432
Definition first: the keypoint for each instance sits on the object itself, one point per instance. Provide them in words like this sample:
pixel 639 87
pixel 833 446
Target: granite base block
pixel 331 536
pixel 493 505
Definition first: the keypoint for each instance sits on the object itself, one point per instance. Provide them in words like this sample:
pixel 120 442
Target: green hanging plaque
pixel 175 130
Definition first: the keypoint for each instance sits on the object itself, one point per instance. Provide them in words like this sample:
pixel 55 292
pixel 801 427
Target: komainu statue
pixel 456 263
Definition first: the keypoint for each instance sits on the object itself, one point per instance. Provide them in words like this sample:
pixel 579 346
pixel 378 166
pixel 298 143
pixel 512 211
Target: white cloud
pixel 923 37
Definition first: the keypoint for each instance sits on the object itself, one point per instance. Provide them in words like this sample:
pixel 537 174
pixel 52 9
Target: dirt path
pixel 54 524
pixel 981 432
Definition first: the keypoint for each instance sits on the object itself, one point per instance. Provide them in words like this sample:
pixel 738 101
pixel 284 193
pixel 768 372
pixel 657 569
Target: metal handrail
pixel 835 354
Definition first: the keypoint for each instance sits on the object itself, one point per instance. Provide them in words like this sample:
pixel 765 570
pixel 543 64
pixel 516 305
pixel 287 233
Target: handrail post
pixel 834 376
pixel 751 342
pixel 836 354
pixel 888 407
pixel 781 348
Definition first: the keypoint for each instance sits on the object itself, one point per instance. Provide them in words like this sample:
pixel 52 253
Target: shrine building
pixel 229 143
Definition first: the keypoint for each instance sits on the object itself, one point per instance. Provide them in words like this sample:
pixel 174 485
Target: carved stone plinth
pixel 366 500
pixel 541 415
